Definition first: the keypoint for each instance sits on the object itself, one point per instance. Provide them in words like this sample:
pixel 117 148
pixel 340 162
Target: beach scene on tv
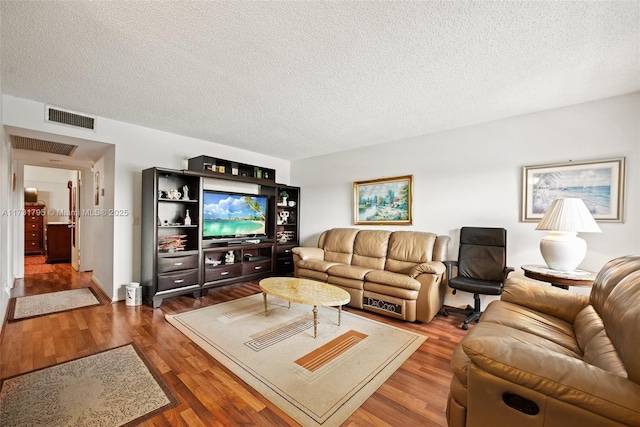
pixel 227 215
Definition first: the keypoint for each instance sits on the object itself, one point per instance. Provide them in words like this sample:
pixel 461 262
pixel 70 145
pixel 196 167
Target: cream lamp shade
pixel 562 249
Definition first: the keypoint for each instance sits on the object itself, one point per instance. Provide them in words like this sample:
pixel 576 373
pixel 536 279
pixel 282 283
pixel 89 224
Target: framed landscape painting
pixel 383 201
pixel 600 184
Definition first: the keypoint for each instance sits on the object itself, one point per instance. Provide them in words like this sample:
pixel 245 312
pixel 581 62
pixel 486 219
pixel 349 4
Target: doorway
pixel 52 220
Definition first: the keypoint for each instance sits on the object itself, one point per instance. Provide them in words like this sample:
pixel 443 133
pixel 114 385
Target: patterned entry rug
pixel 117 387
pixel 52 302
pixel 316 381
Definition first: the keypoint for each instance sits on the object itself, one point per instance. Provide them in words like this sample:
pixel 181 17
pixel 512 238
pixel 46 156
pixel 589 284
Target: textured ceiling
pixel 300 79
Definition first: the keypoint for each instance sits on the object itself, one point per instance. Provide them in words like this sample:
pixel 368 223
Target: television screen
pixel 228 215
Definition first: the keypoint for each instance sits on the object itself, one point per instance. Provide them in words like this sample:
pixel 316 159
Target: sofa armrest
pixel 308 252
pixel 545 299
pixel 431 267
pixel 563 378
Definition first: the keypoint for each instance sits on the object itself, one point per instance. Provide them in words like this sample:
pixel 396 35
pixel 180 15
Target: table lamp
pixel 562 249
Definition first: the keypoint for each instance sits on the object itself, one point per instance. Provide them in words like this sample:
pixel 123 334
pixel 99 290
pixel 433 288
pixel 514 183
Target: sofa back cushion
pixel 615 296
pixel 407 249
pixel 338 244
pixel 370 249
pixel 597 348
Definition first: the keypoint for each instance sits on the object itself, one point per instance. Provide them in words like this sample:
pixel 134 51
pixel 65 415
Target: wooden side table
pixel 559 279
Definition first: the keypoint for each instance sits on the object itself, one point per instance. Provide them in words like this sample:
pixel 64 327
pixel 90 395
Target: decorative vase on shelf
pixel 187 218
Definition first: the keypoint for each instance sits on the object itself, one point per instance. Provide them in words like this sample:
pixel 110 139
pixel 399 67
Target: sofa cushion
pixel 533 322
pixel 408 248
pixel 370 249
pixel 316 264
pixel 544 298
pixel 348 271
pixel 621 317
pixel 392 291
pixel 597 348
pixel 338 244
pixel 392 279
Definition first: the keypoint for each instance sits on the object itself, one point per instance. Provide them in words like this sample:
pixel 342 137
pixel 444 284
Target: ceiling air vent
pixel 33 144
pixel 69 118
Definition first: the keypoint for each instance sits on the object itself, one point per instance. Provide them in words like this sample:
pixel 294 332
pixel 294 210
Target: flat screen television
pixel 229 216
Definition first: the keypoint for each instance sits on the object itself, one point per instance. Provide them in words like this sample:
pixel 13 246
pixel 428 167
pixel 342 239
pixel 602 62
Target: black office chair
pixel 482 267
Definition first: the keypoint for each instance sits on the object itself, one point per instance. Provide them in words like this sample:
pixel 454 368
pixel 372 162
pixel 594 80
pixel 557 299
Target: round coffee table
pixel 305 291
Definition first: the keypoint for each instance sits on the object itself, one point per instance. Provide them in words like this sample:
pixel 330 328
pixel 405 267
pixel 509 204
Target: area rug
pixel 21 308
pixel 117 387
pixel 316 381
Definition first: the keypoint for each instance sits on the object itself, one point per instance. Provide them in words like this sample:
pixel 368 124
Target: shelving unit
pixel 175 258
pixel 287 227
pixel 212 166
pixel 170 248
pixel 249 260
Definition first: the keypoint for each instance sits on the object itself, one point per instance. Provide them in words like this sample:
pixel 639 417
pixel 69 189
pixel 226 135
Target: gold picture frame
pixel 599 183
pixel 384 201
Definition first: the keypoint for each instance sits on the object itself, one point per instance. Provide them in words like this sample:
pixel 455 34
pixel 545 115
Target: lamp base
pixel 563 250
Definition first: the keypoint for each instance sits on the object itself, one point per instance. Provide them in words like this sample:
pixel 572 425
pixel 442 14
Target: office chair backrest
pixel 483 253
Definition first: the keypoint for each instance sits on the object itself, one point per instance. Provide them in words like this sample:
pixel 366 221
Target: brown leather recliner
pixel 543 356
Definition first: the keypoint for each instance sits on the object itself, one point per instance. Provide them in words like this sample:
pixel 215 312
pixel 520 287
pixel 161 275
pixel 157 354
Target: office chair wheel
pixel 465 326
pixel 445 313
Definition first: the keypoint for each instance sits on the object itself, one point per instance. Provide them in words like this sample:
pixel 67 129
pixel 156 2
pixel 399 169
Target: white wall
pixel 116 243
pixel 6 241
pixel 472 176
pixel 52 189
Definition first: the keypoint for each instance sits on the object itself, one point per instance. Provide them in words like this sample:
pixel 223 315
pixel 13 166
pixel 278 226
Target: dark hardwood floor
pixel 210 395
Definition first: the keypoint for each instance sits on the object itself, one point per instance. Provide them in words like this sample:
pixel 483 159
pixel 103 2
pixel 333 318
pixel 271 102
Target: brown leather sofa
pixel 399 274
pixel 543 356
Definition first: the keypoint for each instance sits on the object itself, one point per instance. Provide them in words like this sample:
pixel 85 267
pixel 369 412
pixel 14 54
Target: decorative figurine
pixel 229 258
pixel 185 193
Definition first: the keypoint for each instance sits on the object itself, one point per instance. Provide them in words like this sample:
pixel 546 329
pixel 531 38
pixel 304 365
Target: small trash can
pixel 133 294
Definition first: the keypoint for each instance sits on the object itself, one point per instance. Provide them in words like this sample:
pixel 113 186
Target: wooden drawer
pixel 256 267
pixel 32 245
pixel 222 272
pixel 31 236
pixel 33 218
pixel 175 263
pixel 32 226
pixel 285 265
pixel 285 250
pixel 177 280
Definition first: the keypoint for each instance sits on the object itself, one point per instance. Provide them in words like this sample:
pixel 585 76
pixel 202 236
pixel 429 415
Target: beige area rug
pixel 316 381
pixel 117 387
pixel 21 308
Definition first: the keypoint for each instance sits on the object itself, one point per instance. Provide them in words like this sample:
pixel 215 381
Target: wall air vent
pixel 68 118
pixel 33 144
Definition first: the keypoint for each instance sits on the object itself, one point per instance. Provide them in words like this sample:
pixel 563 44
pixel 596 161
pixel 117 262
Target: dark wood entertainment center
pixel 175 258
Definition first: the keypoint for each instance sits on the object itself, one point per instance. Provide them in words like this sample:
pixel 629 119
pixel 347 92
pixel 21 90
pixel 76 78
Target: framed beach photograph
pixel 383 201
pixel 600 184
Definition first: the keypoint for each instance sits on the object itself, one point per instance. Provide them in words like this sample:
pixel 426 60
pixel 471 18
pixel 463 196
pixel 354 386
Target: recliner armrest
pixel 431 267
pixel 308 252
pixel 545 299
pixel 558 376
